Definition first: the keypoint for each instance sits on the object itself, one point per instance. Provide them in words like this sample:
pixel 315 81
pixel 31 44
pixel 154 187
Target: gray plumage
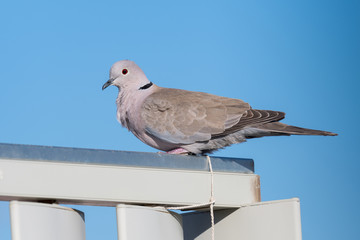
pixel 180 121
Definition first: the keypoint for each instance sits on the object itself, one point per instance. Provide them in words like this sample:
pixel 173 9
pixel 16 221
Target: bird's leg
pixel 178 151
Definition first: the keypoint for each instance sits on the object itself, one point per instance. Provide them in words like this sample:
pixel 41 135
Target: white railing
pixel 132 182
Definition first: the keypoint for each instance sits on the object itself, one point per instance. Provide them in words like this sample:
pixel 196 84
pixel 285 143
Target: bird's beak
pixel 108 83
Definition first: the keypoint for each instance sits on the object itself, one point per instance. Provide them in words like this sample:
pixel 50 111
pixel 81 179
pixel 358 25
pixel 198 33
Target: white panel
pixel 109 185
pixel 139 223
pixel 274 220
pixel 39 221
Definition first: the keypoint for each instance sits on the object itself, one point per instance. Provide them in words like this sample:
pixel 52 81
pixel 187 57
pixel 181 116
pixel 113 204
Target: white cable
pixel 212 200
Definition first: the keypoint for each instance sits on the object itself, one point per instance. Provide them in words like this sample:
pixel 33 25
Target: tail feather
pixel 279 128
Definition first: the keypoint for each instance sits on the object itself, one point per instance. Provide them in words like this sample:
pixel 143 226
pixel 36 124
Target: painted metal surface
pixel 139 223
pixel 87 184
pixel 273 220
pixel 39 221
pixel 102 177
pixel 123 158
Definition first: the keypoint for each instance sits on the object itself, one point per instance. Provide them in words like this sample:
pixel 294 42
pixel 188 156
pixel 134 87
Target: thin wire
pixel 212 200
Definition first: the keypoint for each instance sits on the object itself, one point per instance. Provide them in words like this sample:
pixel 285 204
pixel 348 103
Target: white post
pixel 40 221
pixel 152 223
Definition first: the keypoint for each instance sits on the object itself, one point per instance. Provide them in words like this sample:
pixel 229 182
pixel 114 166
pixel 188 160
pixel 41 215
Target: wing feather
pixel 253 118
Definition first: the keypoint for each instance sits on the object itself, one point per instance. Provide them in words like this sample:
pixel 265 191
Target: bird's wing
pixel 184 117
pixel 253 118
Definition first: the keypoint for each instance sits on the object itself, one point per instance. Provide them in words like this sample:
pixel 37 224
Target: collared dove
pixel 179 121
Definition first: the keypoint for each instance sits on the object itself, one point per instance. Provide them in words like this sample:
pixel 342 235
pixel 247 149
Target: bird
pixel 179 121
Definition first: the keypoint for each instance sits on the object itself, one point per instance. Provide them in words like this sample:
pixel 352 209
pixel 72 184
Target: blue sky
pixel 300 57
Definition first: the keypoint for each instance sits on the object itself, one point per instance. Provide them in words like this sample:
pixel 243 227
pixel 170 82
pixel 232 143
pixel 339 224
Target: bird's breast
pixel 129 108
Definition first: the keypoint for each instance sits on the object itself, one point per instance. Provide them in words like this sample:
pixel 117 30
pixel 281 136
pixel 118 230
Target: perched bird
pixel 185 122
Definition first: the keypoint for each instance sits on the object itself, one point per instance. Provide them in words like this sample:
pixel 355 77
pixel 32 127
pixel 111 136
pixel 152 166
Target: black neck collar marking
pixel 146 86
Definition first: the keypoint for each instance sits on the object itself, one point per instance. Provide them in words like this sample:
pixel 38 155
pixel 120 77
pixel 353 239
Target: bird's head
pixel 126 75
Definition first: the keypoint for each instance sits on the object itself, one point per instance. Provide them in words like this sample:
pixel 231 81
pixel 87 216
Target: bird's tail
pixel 278 128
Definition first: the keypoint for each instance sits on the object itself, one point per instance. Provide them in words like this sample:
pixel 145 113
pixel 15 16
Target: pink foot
pixel 178 151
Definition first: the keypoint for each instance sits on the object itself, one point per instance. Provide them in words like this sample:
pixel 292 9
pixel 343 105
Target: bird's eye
pixel 124 71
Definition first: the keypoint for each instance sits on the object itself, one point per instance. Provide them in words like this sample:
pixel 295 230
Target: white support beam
pixel 83 176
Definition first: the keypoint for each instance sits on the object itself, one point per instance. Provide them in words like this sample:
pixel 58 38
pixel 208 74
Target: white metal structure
pixel 138 222
pixel 30 221
pixel 277 220
pixel 89 176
